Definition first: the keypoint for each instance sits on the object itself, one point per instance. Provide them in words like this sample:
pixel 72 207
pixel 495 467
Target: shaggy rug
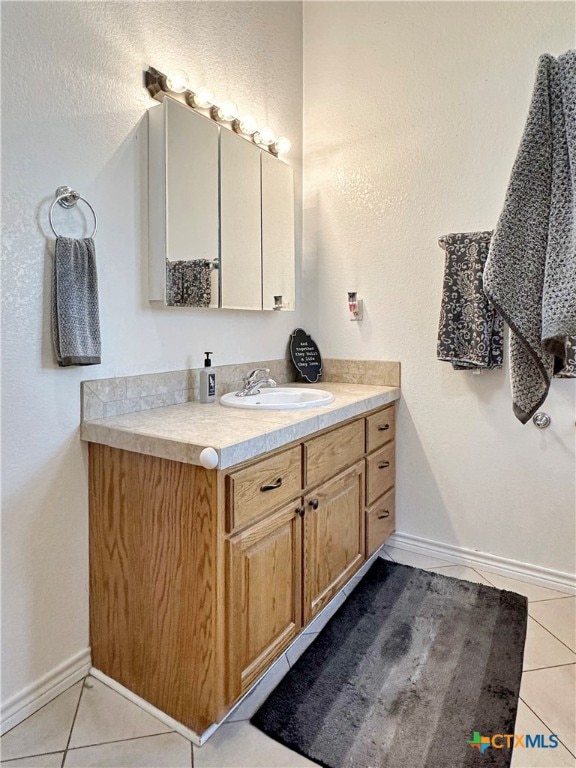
pixel 410 670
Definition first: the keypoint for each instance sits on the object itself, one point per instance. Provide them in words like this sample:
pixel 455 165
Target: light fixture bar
pixel 225 113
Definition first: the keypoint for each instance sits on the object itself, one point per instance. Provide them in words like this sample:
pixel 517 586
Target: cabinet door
pixel 183 197
pixel 333 537
pixel 264 594
pixel 240 223
pixel 278 260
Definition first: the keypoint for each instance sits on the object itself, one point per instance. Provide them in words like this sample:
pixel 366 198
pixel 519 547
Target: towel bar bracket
pixel 67 197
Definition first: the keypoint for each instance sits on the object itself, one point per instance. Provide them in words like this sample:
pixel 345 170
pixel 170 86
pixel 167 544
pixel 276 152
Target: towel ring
pixel 67 198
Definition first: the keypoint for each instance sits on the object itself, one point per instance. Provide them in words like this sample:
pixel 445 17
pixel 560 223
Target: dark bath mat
pixel 403 674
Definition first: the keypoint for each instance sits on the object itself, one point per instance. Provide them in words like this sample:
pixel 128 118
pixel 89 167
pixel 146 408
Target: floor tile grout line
pixel 26 757
pixel 73 721
pixel 484 576
pixel 39 710
pixel 552 666
pixel 487 574
pixel 191 754
pixel 118 741
pixel 546 725
pixel 550 599
pixel 551 633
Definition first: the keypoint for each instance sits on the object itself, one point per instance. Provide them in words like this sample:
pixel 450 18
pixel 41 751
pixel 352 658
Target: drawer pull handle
pixel 300 511
pixel 384 514
pixel 383 464
pixel 383 427
pixel 314 503
pixel 272 486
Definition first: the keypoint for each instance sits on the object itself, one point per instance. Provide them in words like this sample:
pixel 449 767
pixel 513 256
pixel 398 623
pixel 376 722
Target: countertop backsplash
pixel 102 398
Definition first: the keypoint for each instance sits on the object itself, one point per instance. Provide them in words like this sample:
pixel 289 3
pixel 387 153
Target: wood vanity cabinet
pixel 200 579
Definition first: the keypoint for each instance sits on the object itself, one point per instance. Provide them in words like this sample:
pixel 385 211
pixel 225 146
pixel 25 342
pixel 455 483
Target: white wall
pixel 73 113
pixel 413 115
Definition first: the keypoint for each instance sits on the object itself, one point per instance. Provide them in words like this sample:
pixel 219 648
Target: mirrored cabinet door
pixel 183 197
pixel 221 216
pixel 240 223
pixel 278 267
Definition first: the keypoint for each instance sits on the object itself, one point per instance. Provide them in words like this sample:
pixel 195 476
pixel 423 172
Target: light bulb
pixel 248 125
pixel 203 97
pixel 282 145
pixel 228 111
pixel 265 136
pixel 176 81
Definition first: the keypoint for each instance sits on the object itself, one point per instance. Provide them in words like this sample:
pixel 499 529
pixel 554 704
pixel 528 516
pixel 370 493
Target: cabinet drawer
pixel 380 523
pixel 328 454
pixel 263 486
pixel 380 428
pixel 380 471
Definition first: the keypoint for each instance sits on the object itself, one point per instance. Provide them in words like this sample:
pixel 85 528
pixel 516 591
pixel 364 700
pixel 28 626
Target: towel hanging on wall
pixel 531 269
pixel 470 333
pixel 75 318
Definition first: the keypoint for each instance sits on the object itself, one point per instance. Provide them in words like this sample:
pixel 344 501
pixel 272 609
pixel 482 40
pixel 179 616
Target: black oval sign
pixel 305 355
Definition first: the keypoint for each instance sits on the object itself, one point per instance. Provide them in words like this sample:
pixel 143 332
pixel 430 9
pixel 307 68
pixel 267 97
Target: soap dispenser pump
pixel 207 381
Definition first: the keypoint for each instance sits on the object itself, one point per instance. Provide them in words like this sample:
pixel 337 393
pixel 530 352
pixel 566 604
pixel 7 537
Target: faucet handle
pixel 251 377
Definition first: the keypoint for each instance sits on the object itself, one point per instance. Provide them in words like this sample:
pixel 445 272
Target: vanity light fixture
pixel 281 146
pixel 176 83
pixel 227 112
pixel 246 125
pixel 264 136
pixel 203 98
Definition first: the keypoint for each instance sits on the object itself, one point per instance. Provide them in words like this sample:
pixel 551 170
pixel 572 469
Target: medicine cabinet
pixel 221 216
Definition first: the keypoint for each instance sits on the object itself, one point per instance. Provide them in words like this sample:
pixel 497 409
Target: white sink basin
pixel 279 399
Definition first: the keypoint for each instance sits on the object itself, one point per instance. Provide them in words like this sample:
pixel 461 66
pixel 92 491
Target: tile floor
pixel 90 725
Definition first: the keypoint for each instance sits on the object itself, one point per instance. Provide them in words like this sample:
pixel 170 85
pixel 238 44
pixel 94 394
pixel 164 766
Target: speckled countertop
pixel 182 432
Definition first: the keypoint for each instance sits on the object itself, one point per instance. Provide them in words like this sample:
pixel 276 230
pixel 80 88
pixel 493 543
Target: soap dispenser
pixel 207 381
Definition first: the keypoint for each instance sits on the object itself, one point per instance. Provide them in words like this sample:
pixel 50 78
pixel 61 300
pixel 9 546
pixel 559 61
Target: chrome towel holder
pixel 66 197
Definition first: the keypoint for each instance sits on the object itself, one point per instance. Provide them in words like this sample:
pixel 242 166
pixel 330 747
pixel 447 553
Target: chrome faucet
pixel 254 380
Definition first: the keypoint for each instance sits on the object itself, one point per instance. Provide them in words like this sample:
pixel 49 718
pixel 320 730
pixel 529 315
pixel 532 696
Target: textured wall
pixel 413 113
pixel 72 113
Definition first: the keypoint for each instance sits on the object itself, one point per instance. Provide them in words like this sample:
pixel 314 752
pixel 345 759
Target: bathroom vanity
pixel 200 578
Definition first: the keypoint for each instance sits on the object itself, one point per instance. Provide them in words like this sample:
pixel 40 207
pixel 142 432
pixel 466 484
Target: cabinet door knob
pixel 383 464
pixel 314 503
pixel 384 514
pixel 300 511
pixel 272 486
pixel 383 427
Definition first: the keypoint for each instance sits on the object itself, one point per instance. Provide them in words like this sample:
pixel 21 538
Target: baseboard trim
pixel 515 569
pixel 27 701
pixel 188 733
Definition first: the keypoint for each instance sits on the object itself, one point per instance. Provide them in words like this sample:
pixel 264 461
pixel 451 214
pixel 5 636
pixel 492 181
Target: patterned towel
pixel 470 331
pixel 75 318
pixel 189 283
pixel 530 274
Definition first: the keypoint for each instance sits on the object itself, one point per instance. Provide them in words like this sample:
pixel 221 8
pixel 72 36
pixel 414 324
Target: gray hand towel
pixel 470 330
pixel 75 319
pixel 189 283
pixel 530 274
